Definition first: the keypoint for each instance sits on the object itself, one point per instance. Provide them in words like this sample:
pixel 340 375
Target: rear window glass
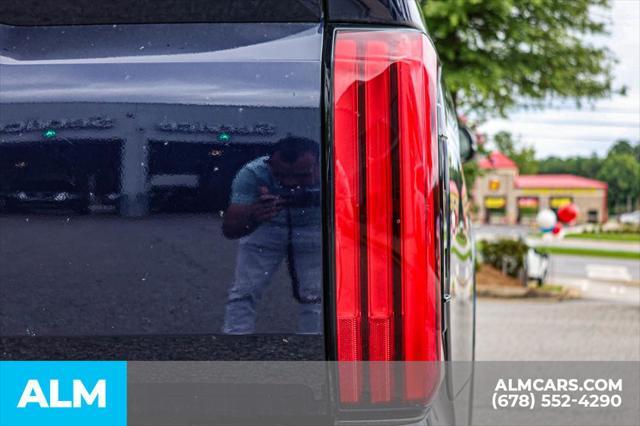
pixel 84 12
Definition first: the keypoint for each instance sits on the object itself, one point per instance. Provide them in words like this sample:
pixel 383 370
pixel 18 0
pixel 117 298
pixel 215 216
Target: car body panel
pixel 459 294
pixel 394 12
pixel 117 12
pixel 130 111
pixel 158 121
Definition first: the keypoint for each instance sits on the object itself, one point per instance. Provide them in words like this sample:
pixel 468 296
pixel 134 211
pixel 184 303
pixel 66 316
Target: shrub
pixel 506 255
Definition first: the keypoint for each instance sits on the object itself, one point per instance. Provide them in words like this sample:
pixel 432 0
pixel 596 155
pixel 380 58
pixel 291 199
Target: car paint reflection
pixel 151 160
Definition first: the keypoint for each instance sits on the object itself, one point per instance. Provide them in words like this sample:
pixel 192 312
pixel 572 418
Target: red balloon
pixel 556 229
pixel 568 213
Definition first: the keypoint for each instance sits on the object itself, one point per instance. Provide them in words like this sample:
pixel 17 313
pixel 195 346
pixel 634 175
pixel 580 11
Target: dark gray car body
pixel 186 92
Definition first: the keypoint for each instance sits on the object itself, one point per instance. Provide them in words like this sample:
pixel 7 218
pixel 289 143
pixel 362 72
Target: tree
pixel 621 171
pixel 621 146
pixel 577 165
pixel 499 53
pixel 471 171
pixel 524 156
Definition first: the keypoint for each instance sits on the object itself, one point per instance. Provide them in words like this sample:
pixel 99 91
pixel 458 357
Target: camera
pixel 299 197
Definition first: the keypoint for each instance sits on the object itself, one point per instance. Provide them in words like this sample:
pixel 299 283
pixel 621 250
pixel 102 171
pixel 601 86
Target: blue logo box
pixel 63 393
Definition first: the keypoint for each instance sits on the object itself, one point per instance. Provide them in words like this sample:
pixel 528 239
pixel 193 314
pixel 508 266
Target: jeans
pixel 260 254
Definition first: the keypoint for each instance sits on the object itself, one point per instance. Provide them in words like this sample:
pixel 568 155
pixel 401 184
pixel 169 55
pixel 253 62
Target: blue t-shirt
pixel 245 189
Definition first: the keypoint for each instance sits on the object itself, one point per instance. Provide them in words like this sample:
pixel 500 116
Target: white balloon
pixel 546 219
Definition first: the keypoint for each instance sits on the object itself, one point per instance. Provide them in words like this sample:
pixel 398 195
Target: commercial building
pixel 139 157
pixel 504 196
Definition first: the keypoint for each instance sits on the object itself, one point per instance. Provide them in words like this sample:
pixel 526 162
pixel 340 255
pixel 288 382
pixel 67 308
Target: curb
pixel 629 283
pixel 502 292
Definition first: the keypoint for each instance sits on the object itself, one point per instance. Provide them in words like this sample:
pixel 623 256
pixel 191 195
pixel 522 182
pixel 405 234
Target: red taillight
pixel 379 203
pixel 385 172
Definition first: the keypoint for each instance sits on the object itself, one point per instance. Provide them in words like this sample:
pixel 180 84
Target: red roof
pixel 497 160
pixel 558 181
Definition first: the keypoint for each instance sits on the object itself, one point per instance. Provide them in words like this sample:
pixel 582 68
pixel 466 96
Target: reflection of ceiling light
pixel 49 133
pixel 215 153
pixel 62 196
pixel 22 196
pixel 20 165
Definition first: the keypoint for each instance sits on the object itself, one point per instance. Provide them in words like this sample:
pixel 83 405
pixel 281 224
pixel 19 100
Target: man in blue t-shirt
pixel 275 212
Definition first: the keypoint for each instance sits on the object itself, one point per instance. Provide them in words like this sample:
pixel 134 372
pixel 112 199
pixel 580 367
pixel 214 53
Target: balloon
pixel 568 213
pixel 546 220
pixel 556 229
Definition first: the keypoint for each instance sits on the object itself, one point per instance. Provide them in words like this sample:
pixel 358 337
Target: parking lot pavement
pixel 594 268
pixel 534 330
pixel 75 275
pixel 605 279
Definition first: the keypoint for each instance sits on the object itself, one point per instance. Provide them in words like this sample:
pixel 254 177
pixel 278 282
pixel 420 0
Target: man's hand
pixel 242 219
pixel 266 208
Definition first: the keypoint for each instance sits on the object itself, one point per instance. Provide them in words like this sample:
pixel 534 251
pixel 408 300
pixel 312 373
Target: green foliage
pixel 470 169
pixel 621 146
pixel 523 156
pixel 528 211
pixel 471 172
pixel 580 166
pixel 620 235
pixel 499 53
pixel 622 173
pixel 506 255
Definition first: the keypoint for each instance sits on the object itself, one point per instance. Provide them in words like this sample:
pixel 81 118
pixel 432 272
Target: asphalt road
pixel 597 278
pixel 595 268
pixel 105 275
pixel 534 330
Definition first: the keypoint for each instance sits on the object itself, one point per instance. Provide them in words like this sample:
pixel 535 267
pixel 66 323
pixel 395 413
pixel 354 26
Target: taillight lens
pixel 385 179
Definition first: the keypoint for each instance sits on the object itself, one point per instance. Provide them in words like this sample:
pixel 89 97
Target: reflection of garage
pixel 185 175
pixel 155 157
pixel 90 169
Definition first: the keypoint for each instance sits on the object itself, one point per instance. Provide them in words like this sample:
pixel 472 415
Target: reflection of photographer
pixel 275 211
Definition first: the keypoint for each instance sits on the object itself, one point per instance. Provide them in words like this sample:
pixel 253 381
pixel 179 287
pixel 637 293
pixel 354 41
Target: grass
pixel 606 236
pixel 551 288
pixel 591 252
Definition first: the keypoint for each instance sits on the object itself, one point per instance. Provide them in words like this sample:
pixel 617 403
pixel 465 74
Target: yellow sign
pixel 552 191
pixel 495 202
pixel 494 185
pixel 559 202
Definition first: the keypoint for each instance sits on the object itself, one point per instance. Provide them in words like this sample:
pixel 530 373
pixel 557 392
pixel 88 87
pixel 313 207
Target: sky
pixel 566 130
